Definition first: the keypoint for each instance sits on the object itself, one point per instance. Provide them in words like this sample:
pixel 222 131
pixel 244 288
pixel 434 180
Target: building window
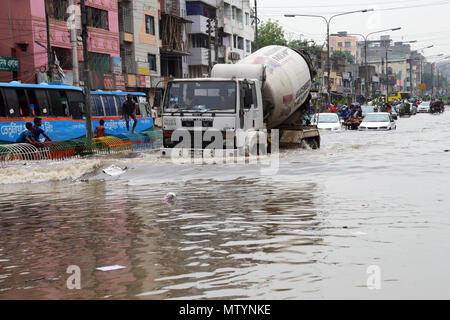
pixel 348 44
pixel 152 62
pixel 99 62
pixel 248 46
pixel 339 44
pixel 149 25
pixel 97 18
pixel 57 9
pixel 247 18
pixel 64 57
pixel 233 11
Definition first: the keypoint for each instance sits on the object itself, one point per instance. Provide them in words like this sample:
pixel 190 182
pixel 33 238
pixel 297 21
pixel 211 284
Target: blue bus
pixel 61 108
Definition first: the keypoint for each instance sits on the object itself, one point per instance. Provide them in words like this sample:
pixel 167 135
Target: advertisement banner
pixel 143 68
pixel 116 64
pixel 144 82
pixel 120 82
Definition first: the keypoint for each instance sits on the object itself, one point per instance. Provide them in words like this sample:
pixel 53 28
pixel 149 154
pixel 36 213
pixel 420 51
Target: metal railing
pixel 60 150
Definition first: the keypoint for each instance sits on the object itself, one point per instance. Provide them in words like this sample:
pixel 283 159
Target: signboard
pixel 437 89
pixel 422 86
pixel 108 81
pixel 144 82
pixel 116 64
pixel 9 64
pixel 120 82
pixel 143 68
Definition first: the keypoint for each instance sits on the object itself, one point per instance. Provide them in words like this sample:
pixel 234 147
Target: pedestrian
pixel 129 111
pixel 37 130
pixel 100 130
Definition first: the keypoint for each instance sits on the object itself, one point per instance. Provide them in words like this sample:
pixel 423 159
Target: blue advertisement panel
pixel 63 130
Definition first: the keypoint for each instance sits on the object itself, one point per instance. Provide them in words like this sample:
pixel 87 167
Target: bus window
pixel 119 102
pixel 2 105
pixel 99 106
pixel 136 100
pixel 76 101
pixel 43 106
pixel 38 102
pixel 24 106
pixel 110 106
pixel 112 103
pixel 57 108
pixel 65 103
pixel 12 103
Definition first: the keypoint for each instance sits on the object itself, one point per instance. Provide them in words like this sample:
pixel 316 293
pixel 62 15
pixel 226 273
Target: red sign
pixel 120 82
pixel 144 81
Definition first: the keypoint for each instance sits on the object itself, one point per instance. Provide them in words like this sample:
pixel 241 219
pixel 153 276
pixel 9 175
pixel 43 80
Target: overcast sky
pixel 427 21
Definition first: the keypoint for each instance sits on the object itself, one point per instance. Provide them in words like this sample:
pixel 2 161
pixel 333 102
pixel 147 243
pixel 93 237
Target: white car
pixel 424 107
pixel 327 121
pixel 378 121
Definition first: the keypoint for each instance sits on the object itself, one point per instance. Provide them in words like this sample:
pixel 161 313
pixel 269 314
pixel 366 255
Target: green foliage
pixel 271 33
pixel 343 55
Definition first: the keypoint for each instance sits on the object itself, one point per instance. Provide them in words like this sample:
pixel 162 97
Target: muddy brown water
pixel 312 230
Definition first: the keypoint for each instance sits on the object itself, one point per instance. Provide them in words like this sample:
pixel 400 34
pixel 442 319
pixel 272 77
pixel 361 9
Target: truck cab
pixel 207 113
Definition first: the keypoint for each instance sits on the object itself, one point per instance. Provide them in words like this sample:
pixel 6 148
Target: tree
pixel 343 55
pixel 271 33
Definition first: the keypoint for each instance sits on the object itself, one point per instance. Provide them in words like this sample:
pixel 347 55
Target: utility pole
pixel 49 47
pixel 73 41
pixel 208 25
pixel 216 40
pixel 256 26
pixel 87 80
pixel 432 80
pixel 410 76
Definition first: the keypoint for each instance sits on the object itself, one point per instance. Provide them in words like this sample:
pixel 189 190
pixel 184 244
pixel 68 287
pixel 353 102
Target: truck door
pixel 247 105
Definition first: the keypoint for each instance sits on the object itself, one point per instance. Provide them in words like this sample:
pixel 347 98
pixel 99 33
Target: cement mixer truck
pixel 241 104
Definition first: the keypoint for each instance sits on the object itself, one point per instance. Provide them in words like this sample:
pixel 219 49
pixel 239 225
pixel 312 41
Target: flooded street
pixel 310 231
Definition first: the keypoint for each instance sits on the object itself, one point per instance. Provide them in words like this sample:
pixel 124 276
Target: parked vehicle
pixel 62 109
pixel 424 107
pixel 378 121
pixel 327 121
pixel 270 89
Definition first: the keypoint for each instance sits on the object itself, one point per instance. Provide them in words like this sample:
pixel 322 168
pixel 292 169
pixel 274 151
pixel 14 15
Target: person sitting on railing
pixel 27 136
pixel 37 130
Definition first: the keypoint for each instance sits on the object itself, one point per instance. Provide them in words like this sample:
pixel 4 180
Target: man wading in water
pixel 129 111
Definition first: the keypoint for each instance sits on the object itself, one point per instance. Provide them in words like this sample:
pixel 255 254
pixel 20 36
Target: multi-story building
pixel 139 43
pixel 204 43
pixel 23 36
pixel 390 61
pixel 238 31
pixel 344 42
pixel 231 21
pixel 174 39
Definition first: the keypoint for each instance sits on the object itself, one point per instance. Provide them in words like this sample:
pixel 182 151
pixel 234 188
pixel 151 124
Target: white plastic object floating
pixel 114 170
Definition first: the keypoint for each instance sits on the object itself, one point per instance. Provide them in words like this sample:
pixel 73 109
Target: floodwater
pixel 316 228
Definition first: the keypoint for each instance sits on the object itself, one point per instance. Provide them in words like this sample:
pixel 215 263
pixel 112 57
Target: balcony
pixel 199 56
pixel 199 25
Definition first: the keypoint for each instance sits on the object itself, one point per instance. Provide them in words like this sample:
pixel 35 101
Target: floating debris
pixel 111 268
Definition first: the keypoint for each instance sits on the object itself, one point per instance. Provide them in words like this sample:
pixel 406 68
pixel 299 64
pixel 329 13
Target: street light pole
pixel 328 40
pixel 366 66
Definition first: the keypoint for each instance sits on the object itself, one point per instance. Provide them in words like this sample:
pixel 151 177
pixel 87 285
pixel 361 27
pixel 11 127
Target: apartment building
pixel 23 35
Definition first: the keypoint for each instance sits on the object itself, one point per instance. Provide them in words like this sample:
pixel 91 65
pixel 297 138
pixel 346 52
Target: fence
pixel 76 148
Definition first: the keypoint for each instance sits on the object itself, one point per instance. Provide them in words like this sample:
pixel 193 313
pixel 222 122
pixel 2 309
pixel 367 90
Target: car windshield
pixel 200 96
pixel 376 118
pixel 425 103
pixel 328 118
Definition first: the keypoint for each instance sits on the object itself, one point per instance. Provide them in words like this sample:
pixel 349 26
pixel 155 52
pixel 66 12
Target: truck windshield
pixel 200 96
